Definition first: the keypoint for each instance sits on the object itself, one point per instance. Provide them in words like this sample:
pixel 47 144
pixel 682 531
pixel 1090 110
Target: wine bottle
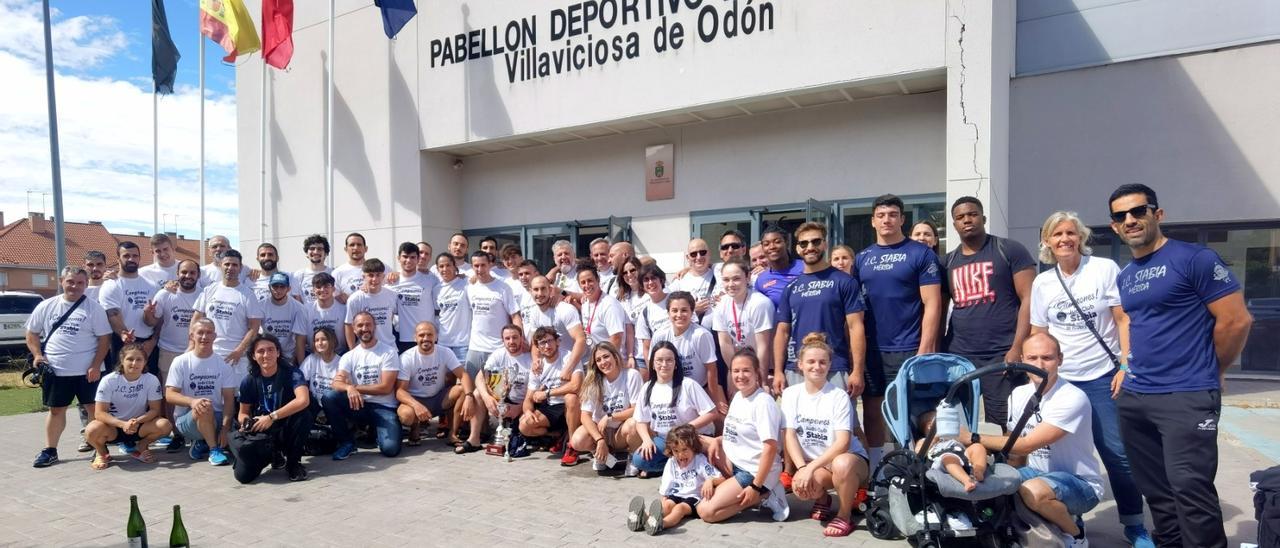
pixel 135 529
pixel 178 536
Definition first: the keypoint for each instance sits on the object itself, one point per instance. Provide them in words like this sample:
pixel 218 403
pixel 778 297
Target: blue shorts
pixel 459 352
pixel 186 425
pixel 743 477
pixel 1075 493
pixel 434 404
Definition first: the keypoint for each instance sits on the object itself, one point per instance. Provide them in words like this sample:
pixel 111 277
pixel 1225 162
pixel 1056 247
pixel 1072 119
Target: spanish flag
pixel 227 22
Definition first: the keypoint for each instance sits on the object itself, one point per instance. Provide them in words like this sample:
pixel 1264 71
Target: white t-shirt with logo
pixel 1093 285
pixel 348 278
pixel 518 370
pixel 492 306
pixel 426 372
pixel 175 308
pixel 702 287
pixel 650 319
pixel 603 319
pixel 417 302
pixel 159 275
pixel 817 417
pixel 618 394
pixel 696 347
pixel 1067 408
pixel 129 296
pixel 662 416
pixel 751 421
pixel 285 321
pixel 333 317
pixel 382 305
pixel 211 274
pixel 128 399
pixel 197 377
pixel 563 317
pixel 364 367
pixel 262 287
pixel 319 373
pixel 686 482
pixel 454 314
pixel 231 309
pixel 304 278
pixel 743 321
pixel 633 305
pixel 549 376
pixel 70 350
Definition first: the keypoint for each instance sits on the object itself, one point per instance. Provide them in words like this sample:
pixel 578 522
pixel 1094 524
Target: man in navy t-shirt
pixel 1187 324
pixel 825 300
pixel 901 286
pixel 782 268
pixel 990 284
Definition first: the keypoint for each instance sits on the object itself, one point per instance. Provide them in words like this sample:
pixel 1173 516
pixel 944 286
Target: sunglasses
pixel 698 253
pixel 802 244
pixel 730 245
pixel 1138 212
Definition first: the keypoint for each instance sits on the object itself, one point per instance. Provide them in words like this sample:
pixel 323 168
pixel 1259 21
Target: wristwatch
pixel 760 489
pixel 274 416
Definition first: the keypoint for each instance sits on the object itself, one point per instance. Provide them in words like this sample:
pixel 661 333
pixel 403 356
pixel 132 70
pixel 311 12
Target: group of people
pixel 735 382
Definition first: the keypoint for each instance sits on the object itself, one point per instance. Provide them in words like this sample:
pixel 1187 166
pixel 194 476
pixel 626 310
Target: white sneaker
pixel 632 471
pixel 776 502
pixel 1073 542
pixel 959 522
pixel 609 462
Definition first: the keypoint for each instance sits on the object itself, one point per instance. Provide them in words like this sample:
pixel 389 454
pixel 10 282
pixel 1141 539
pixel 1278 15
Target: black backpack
pixel 1266 505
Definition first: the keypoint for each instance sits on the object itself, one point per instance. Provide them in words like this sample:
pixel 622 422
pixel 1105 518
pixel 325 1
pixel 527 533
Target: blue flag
pixel 164 55
pixel 395 14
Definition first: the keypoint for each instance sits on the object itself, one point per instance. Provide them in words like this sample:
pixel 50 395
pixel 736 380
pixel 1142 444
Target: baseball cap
pixel 279 278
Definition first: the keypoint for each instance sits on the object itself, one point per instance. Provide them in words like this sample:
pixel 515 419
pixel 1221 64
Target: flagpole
pixel 328 158
pixel 262 158
pixel 203 245
pixel 155 160
pixel 59 236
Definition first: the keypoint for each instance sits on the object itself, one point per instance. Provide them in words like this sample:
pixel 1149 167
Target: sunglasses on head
pixel 802 244
pixel 730 245
pixel 698 253
pixel 1138 212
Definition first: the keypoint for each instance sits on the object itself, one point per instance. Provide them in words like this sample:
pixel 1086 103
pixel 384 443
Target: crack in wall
pixel 964 114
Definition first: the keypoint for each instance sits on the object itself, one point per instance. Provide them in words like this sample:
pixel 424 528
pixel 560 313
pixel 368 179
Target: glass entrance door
pixel 542 238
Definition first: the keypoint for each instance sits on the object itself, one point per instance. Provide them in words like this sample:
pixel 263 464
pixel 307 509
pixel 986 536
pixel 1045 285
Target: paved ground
pixel 428 496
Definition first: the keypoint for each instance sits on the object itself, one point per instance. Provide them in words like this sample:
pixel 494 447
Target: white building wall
pixel 1200 129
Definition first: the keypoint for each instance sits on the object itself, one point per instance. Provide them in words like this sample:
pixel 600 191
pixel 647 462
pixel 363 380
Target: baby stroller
pixel 909 498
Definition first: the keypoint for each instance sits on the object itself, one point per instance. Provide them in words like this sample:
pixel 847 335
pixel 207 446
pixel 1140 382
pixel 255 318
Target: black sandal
pixel 465 448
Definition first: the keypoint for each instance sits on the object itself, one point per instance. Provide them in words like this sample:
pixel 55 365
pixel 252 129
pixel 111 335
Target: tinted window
pixel 10 304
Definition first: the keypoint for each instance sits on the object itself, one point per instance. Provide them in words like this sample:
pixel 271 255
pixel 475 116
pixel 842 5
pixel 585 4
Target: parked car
pixel 15 308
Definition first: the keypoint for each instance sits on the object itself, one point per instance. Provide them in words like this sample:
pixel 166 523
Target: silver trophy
pixel 499 386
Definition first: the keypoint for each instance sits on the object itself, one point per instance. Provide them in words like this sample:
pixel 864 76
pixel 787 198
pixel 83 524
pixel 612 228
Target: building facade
pixel 531 121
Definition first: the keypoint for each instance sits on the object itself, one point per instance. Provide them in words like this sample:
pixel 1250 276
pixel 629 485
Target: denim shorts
pixel 1075 493
pixel 186 425
pixel 459 352
pixel 743 477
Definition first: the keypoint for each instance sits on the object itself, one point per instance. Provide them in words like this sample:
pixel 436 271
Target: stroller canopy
pixel 920 385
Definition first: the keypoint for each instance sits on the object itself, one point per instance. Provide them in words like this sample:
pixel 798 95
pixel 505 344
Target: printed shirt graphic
pixel 549 377
pixel 304 278
pixel 319 373
pixel 751 421
pixel 417 302
pixel 70 350
pixel 492 306
pixel 686 482
pixel 1166 295
pixel 454 314
pixel 382 305
pixel 285 321
pixel 819 302
pixel 741 321
pixel 264 395
pixel 817 417
pixel 128 399
pixel 200 378
pixel 230 308
pixel 696 347
pixel 891 279
pixel 426 373
pixel 129 296
pixel 333 317
pixel 662 416
pixel 347 279
pixel 984 315
pixel 364 367
pixel 1093 285
pixel 619 394
pixel 175 310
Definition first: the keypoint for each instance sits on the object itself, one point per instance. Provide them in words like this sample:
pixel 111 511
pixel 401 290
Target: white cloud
pixel 105 133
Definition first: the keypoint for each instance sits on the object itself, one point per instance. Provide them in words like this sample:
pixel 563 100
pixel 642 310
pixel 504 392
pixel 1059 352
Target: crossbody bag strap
pixel 1087 322
pixel 59 323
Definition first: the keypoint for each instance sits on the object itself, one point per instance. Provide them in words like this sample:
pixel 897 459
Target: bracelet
pixel 759 489
pixel 599 439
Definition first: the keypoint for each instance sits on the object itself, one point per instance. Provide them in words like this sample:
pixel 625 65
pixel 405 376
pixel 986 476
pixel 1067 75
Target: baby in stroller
pixel 968 465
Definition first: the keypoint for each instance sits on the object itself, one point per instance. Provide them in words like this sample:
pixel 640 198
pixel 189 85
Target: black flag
pixel 164 55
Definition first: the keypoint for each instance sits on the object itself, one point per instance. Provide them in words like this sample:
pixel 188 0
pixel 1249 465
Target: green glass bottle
pixel 135 529
pixel 178 536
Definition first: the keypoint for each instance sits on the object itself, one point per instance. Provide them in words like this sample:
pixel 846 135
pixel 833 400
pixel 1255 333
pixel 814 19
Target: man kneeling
pixel 364 391
pixel 551 404
pixel 425 388
pixel 202 390
pixel 274 417
pixel 512 364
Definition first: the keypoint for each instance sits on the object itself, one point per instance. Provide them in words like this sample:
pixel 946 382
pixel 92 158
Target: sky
pixel 102 67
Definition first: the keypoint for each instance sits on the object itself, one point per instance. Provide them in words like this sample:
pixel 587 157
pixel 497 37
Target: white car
pixel 15 308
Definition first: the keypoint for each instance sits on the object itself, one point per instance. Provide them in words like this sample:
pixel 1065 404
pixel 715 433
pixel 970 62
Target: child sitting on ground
pixel 968 465
pixel 688 478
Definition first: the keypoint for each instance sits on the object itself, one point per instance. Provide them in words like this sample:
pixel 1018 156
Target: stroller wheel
pixel 880 523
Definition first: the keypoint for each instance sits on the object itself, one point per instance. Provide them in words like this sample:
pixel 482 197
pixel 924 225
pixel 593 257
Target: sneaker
pixel 199 450
pixel 785 479
pixel 277 460
pixel 1138 536
pixel 653 518
pixel 297 472
pixel 570 457
pixel 959 522
pixel 631 471
pixel 635 514
pixel 217 457
pixel 343 451
pixel 1078 541
pixel 127 448
pixel 776 502
pixel 609 462
pixel 84 446
pixel 47 457
pixel 175 444
pixel 559 445
pixel 163 441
